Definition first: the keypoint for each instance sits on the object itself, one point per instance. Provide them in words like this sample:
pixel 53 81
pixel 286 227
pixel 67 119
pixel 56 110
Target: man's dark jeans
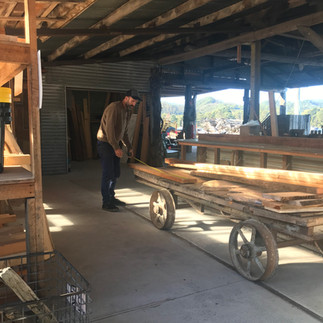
pixel 110 171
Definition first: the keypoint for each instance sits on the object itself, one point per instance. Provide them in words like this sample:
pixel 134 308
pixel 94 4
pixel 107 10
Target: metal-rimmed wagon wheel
pixel 162 209
pixel 253 250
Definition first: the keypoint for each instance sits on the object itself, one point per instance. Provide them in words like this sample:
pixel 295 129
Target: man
pixel 112 135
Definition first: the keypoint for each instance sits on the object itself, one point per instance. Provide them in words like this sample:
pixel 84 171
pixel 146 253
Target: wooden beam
pixel 158 21
pixel 47 19
pixel 69 14
pixel 16 159
pixel 270 57
pixel 121 12
pixel 291 25
pixel 312 36
pixel 171 174
pixel 63 32
pixel 135 140
pixel 266 174
pixel 35 216
pixel 48 1
pixel 9 71
pixel 20 50
pixel 17 191
pixel 216 16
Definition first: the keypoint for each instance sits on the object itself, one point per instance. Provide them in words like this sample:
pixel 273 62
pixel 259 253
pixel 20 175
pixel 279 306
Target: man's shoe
pixel 110 207
pixel 118 202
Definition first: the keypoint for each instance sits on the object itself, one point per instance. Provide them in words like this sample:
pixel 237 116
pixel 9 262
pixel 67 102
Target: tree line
pixel 209 108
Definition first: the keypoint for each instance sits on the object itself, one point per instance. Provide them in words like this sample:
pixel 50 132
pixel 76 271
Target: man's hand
pixel 118 152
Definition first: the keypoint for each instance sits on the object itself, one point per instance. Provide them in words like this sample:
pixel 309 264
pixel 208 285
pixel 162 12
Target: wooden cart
pixel 260 230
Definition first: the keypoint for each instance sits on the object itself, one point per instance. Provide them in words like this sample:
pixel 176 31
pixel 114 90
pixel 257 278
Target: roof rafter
pixel 69 13
pixel 211 18
pixel 158 21
pixel 115 16
pixel 312 36
pixel 284 27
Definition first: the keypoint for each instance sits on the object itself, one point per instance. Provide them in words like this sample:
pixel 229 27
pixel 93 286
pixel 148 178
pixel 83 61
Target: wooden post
pixel 263 160
pixel 217 153
pixel 156 147
pixel 135 139
pixel 201 154
pixel 183 152
pixel 287 162
pixel 37 244
pixel 273 115
pixel 189 120
pixel 255 80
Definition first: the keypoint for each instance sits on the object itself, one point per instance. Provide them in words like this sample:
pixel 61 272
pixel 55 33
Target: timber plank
pixel 265 185
pixel 287 196
pixel 12 237
pixel 16 191
pixel 179 177
pixel 12 248
pixel 260 148
pixel 307 202
pixel 7 218
pixel 16 159
pixel 274 175
pixel 265 140
pixel 280 207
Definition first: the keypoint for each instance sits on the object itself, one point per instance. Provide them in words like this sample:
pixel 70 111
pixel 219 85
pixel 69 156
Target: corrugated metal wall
pixel 53 127
pixel 108 77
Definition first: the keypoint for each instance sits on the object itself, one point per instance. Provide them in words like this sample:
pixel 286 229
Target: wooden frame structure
pixel 17 182
pixel 286 147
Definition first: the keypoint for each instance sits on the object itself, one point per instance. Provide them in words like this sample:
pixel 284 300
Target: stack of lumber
pixel 271 179
pixel 301 203
pixel 274 190
pixel 80 131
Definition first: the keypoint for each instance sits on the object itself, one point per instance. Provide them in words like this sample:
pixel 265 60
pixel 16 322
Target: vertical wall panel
pixel 53 128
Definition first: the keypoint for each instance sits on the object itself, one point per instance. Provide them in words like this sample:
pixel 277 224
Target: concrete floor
pixel 140 274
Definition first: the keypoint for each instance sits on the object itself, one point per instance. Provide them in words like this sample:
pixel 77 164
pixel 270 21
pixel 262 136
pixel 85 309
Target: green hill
pixel 209 108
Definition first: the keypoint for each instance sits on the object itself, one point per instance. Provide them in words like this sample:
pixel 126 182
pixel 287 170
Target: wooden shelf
pixel 15 181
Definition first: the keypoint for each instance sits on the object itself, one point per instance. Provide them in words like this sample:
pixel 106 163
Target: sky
pixel 236 96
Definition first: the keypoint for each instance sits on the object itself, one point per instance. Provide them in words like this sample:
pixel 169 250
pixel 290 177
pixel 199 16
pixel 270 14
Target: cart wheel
pixel 162 209
pixel 253 250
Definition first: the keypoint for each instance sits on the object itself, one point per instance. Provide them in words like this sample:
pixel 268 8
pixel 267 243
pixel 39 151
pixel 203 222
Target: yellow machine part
pixel 5 95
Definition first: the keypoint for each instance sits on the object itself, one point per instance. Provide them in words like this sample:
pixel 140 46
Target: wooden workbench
pixel 239 146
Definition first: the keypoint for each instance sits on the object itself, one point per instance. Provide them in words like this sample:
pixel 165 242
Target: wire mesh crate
pixel 62 293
